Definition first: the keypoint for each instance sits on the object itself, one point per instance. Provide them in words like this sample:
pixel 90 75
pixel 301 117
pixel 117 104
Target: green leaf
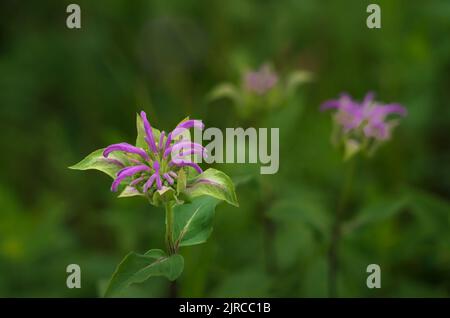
pixel 129 192
pixel 193 222
pixel 137 268
pixel 351 148
pixel 164 195
pixel 225 90
pixel 377 212
pixel 298 78
pixel 96 161
pixel 140 141
pixel 155 253
pixel 213 183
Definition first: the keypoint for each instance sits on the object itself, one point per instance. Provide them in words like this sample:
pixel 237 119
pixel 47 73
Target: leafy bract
pixel 213 183
pixel 96 161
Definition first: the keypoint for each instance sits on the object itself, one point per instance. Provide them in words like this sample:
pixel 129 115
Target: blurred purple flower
pixel 161 160
pixel 368 117
pixel 260 81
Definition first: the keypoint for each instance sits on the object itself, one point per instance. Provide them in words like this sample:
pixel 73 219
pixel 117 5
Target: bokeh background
pixel 65 93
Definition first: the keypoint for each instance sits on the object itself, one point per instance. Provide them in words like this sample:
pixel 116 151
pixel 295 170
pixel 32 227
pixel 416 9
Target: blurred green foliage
pixel 65 93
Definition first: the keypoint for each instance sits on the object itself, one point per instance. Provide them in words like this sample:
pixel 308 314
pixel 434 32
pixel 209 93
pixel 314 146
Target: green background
pixel 65 93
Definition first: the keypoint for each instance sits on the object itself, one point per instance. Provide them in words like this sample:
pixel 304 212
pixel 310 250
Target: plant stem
pixel 173 289
pixel 333 257
pixel 169 229
pixel 171 249
pixel 269 228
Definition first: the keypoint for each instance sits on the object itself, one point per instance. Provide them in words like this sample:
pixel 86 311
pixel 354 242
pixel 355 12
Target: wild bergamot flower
pixel 364 125
pixel 158 164
pixel 359 127
pixel 260 91
pixel 260 81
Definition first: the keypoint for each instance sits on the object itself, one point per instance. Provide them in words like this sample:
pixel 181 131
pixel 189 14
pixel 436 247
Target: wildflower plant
pixel 358 127
pixel 260 91
pixel 160 168
pixel 264 97
pixel 362 127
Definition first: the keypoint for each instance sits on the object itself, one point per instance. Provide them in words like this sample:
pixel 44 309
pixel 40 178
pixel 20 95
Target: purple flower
pixel 127 172
pixel 157 165
pixel 125 148
pixel 192 123
pixel 260 81
pixel 368 118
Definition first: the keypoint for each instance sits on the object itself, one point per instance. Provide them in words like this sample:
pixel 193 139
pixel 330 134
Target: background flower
pixel 362 125
pixel 260 81
pixel 260 91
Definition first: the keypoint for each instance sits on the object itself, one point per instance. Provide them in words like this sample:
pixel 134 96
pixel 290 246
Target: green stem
pixel 170 245
pixel 333 255
pixel 169 229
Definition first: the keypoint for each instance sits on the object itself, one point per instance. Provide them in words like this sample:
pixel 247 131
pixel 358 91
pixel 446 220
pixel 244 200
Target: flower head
pixel 366 121
pixel 260 81
pixel 156 165
pixel 160 166
pixel 261 91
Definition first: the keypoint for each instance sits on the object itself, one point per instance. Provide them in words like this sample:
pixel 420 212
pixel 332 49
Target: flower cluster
pixel 260 81
pixel 160 167
pixel 260 91
pixel 156 166
pixel 366 122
